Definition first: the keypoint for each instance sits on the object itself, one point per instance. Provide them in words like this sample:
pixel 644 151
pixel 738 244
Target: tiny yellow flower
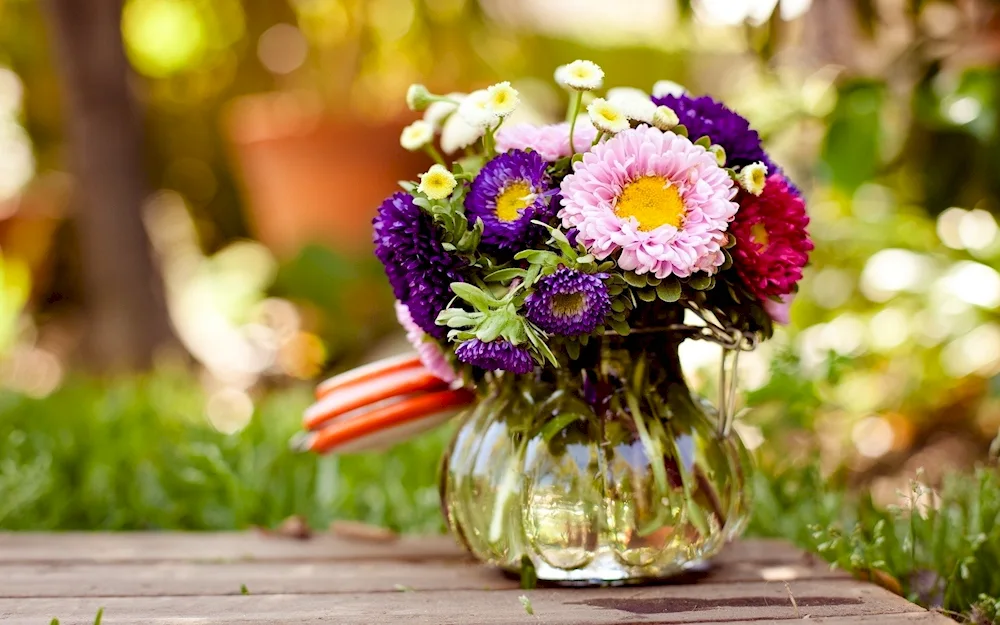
pixel 418 97
pixel 607 117
pixel 503 98
pixel 416 135
pixel 665 118
pixel 753 177
pixel 719 152
pixel 580 75
pixel 667 87
pixel 437 183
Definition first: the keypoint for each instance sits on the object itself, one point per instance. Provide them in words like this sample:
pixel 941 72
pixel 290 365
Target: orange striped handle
pixel 367 372
pixel 370 391
pixel 341 432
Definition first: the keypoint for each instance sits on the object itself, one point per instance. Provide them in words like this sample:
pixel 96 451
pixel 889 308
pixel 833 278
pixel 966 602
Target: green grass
pixel 941 556
pixel 139 454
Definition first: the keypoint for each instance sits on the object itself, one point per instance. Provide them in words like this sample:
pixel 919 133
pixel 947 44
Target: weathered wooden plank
pixel 60 579
pixel 748 602
pixel 23 547
pixel 919 618
pixel 215 547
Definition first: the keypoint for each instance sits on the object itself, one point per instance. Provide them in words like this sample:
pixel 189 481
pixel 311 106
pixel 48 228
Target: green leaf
pixel 728 262
pixel 634 279
pixel 704 141
pixel 538 257
pixel 448 246
pixel 491 328
pixel 557 424
pixel 700 281
pixel 473 295
pixel 680 129
pixel 647 295
pixel 585 259
pixel 618 305
pixel 669 291
pixel 505 275
pixel 407 186
pixel 652 280
pixel 573 349
pixel 620 327
pixel 532 274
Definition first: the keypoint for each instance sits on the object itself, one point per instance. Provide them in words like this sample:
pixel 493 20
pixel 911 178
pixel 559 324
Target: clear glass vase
pixel 610 473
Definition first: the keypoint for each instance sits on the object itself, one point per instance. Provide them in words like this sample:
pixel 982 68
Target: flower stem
pixel 433 153
pixel 574 112
pixel 597 139
pixel 504 489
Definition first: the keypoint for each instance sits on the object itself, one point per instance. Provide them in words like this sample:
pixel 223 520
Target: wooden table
pixel 200 578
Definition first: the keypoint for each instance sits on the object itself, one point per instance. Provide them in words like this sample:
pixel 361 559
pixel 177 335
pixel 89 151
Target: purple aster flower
pixel 705 116
pixel 499 354
pixel 568 302
pixel 419 269
pixel 510 191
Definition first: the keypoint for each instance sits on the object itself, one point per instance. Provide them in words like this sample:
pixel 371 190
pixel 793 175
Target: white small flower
pixel 667 87
pixel 418 97
pixel 753 178
pixel 437 183
pixel 634 103
pixel 580 75
pixel 456 133
pixel 439 110
pixel 475 109
pixel 607 117
pixel 719 152
pixel 416 135
pixel 503 98
pixel 665 118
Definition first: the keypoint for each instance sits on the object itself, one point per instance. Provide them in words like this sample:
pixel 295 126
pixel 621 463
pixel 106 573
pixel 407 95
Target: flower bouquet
pixel 546 277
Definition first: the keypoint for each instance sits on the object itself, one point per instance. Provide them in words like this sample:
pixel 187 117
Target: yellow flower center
pixel 759 235
pixel 653 201
pixel 610 114
pixel 513 200
pixel 567 304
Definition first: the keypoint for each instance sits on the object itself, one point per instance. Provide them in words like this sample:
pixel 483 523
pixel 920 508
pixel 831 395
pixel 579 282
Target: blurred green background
pixel 163 315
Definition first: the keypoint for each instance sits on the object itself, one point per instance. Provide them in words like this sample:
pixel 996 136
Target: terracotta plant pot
pixel 312 178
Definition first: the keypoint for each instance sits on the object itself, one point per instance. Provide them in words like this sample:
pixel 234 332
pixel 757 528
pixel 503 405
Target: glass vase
pixel 611 472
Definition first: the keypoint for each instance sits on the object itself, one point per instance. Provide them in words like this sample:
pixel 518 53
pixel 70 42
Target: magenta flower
pixel 772 245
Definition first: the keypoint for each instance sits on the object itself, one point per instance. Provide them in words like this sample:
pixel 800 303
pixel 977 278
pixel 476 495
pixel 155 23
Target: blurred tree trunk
pixel 127 313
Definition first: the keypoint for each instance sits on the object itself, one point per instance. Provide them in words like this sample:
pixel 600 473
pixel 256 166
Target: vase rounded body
pixel 608 473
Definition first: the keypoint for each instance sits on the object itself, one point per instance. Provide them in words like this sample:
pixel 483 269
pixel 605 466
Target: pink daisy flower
pixel 551 141
pixel 660 201
pixel 429 351
pixel 772 245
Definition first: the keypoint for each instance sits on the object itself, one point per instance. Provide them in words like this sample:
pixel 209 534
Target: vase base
pixel 608 571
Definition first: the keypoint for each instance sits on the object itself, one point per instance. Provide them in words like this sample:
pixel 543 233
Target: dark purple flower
pixel 568 302
pixel 499 354
pixel 510 191
pixel 419 269
pixel 705 116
